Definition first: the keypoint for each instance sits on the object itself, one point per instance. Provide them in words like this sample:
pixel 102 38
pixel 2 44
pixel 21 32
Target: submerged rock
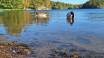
pixel 14 50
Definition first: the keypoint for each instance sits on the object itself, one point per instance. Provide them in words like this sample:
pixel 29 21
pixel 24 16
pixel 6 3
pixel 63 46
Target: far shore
pixel 50 9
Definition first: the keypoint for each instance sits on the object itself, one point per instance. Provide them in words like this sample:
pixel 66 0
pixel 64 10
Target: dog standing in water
pixel 70 17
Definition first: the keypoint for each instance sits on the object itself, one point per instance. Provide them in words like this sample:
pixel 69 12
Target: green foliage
pixel 11 4
pixel 35 4
pixel 40 4
pixel 61 5
pixel 47 4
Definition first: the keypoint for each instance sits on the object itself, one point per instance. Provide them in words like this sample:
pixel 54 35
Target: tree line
pixel 61 5
pixel 47 4
pixel 34 4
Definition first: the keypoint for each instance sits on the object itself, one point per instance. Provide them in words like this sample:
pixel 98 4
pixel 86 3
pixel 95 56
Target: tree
pixel 40 4
pixel 11 4
pixel 26 4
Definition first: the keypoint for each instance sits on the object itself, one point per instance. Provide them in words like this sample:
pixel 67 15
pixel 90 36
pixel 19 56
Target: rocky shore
pixel 13 49
pixel 21 50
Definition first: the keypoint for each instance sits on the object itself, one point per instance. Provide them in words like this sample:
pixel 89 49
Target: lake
pixel 87 31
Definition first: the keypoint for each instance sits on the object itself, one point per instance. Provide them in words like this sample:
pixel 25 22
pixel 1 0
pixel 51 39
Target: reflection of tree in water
pixel 14 21
pixel 41 18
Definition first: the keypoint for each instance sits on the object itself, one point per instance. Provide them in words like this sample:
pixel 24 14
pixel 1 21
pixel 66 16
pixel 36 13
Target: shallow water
pixel 55 30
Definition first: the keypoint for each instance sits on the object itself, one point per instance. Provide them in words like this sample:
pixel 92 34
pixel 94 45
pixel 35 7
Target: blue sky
pixel 72 1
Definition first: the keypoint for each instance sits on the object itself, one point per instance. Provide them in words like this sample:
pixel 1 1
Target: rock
pixel 74 55
pixel 14 50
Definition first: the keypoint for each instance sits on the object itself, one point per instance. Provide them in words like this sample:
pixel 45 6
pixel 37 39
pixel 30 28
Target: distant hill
pixel 93 4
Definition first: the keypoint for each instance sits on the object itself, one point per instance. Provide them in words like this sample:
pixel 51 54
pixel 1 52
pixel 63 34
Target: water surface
pixel 87 31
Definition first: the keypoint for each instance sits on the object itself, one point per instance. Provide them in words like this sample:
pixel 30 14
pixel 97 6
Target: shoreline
pixel 51 9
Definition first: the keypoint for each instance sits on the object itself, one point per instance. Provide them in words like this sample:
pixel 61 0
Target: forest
pixel 47 4
pixel 34 4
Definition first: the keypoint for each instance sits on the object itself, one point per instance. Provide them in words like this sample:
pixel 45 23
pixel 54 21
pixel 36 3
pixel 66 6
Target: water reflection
pixel 15 21
pixel 95 17
pixel 57 33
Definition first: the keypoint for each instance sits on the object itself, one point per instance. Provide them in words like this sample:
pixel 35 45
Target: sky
pixel 72 1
